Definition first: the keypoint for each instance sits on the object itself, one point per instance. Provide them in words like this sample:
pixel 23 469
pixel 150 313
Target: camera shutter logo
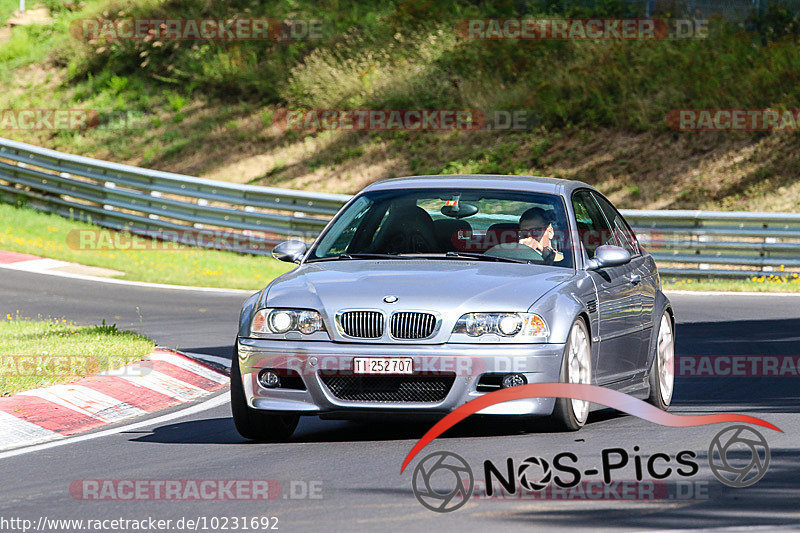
pixel 447 472
pixel 528 477
pixel 739 456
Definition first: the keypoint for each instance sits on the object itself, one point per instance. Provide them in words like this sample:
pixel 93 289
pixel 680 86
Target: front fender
pixel 561 306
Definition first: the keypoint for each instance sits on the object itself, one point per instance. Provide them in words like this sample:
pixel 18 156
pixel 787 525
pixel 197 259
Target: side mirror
pixel 608 256
pixel 290 251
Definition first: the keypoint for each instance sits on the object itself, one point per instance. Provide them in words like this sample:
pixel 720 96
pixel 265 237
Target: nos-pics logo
pixel 443 481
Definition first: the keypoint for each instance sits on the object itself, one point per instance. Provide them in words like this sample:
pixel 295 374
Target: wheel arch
pixel 662 304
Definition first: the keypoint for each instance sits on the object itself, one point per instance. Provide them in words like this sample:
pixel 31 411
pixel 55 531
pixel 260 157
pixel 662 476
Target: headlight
pixel 517 325
pixel 285 320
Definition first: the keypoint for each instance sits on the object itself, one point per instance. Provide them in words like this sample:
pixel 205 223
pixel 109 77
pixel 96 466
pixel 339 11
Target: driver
pixel 536 231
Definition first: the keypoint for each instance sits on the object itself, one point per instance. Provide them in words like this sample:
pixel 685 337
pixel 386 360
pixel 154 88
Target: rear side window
pixel 593 230
pixel 623 232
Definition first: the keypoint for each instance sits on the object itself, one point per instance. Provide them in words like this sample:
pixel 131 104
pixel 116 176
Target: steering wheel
pixel 414 242
pixel 515 250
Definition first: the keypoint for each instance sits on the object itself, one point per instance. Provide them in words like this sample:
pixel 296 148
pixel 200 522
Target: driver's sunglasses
pixel 534 232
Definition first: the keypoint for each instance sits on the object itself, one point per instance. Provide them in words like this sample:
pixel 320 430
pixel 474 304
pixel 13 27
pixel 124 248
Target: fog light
pixel 268 379
pixel 514 380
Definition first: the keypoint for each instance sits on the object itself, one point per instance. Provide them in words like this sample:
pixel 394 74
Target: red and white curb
pixel 164 379
pixel 30 262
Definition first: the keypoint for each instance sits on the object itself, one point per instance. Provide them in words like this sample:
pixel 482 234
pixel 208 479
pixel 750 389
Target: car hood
pixel 445 286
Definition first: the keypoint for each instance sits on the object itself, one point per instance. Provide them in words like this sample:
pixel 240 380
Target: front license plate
pixel 383 365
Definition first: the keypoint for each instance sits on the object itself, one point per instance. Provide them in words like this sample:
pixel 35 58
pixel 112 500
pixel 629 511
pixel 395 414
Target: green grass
pixel 7 7
pixel 766 283
pixel 38 353
pixel 28 231
pixel 408 55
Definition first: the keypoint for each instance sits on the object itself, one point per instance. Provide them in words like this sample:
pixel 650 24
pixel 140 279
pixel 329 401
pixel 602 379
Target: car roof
pixel 481 181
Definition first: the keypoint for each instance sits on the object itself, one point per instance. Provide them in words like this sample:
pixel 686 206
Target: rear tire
pixel 576 367
pixel 662 369
pixel 251 423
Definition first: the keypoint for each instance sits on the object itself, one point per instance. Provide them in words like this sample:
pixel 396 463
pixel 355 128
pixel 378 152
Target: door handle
pixel 635 279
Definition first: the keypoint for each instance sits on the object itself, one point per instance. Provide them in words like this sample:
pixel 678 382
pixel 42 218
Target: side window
pixel 593 229
pixel 624 234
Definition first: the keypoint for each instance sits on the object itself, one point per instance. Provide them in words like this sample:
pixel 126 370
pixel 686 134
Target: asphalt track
pixel 358 463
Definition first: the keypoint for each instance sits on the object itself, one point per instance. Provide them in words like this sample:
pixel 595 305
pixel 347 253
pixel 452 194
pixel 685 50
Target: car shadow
pixel 313 429
pixel 225 351
pixel 205 431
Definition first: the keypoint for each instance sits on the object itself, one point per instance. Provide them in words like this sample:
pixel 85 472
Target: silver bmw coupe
pixel 426 292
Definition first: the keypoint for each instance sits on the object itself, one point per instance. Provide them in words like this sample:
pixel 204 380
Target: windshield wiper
pixel 357 256
pixel 393 255
pixel 447 255
pixel 469 255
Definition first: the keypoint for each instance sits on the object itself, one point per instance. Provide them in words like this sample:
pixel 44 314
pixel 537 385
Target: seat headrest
pixel 502 232
pixel 452 234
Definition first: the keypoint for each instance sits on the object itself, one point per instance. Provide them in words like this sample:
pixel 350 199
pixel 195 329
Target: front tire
pixel 662 369
pixel 576 367
pixel 251 423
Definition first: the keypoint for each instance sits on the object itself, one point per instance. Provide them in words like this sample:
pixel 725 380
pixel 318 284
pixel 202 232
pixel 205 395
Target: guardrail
pixel 190 209
pixel 196 210
pixel 700 243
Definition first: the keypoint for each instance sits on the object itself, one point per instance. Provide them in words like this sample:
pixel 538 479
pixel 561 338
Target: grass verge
pixel 767 283
pixel 28 231
pixel 39 353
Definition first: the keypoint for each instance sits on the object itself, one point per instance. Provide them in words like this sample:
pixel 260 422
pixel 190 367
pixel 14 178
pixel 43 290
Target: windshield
pixel 451 223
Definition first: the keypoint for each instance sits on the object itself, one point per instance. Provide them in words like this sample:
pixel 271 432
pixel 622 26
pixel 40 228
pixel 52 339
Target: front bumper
pixel 313 360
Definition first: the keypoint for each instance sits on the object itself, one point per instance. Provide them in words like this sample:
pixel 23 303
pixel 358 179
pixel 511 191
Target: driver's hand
pixel 547 236
pixel 531 242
